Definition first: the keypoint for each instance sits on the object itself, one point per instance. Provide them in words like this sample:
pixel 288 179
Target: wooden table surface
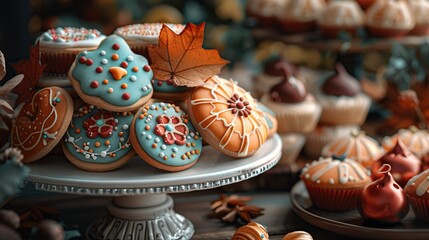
pixel 278 217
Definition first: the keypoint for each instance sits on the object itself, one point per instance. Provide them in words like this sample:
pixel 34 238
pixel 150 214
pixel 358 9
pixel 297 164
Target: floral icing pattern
pixel 106 138
pixel 172 129
pixel 236 109
pixel 100 124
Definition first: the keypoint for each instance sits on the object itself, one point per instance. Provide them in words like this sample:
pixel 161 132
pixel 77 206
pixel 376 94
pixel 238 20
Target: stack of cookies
pixel 160 106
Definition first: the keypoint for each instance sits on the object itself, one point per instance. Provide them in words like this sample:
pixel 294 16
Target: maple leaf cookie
pixel 112 76
pixel 164 137
pixel 228 117
pixel 98 140
pixel 42 123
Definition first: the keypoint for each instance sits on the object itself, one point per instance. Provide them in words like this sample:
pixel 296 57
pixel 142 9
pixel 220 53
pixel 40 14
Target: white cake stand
pixel 141 208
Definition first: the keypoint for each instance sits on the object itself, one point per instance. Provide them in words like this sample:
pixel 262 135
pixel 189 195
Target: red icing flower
pixel 100 124
pixel 172 129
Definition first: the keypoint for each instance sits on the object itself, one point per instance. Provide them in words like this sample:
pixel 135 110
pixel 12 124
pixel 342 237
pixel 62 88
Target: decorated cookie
pixel 271 119
pixel 112 76
pixel 164 137
pixel 42 122
pixel 168 90
pixel 58 47
pixel 227 117
pixel 98 140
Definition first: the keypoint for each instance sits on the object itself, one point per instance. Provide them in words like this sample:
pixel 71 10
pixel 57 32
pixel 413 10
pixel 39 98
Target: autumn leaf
pixel 32 70
pixel 180 57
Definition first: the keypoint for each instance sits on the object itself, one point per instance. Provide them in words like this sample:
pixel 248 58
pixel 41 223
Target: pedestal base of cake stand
pixel 148 216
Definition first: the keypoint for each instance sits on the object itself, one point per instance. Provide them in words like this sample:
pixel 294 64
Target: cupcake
pixel 342 100
pixel 335 183
pixel 300 15
pixel 387 18
pixel 139 36
pixel 296 110
pixel 323 135
pixel 357 146
pixel 417 190
pixel 414 139
pixel 341 16
pixel 420 10
pixel 404 164
pixel 59 47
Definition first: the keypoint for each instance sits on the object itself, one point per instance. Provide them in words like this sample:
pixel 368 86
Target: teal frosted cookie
pixel 164 137
pixel 98 140
pixel 112 76
pixel 168 90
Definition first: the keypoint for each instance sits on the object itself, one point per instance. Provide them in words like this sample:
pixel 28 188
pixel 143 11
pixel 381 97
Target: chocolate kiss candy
pixel 341 83
pixel 383 201
pixel 289 90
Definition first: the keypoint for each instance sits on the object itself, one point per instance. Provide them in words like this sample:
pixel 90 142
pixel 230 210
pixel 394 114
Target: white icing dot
pixel 165 111
pixel 86 148
pixel 102 53
pixel 318 181
pixel 157 140
pixel 143 133
pixel 130 58
pixel 121 139
pixel 110 90
pixel 115 128
pixel 84 53
pixel 188 137
pixel 104 61
pixel 133 78
pixel 70 139
pixel 163 147
pixel 331 181
pixel 162 104
pixel 116 120
pixel 149 137
pixel 152 107
pixel 91 107
pixel 162 154
pixel 149 86
pixel 87 156
pixel 307 176
pixel 103 153
pixel 144 88
pixel 125 127
pixel 412 184
pixel 192 134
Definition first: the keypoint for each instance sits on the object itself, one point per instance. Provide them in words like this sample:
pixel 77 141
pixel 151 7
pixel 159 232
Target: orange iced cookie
pixel 227 117
pixel 42 123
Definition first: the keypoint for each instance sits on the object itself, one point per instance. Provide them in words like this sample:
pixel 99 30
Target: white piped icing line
pixel 43 134
pixel 241 105
pixel 345 168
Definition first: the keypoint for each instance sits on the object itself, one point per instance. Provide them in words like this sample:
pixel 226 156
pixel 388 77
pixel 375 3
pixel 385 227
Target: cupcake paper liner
pixel 57 63
pixel 420 208
pixel 302 122
pixel 351 114
pixel 334 199
pixel 292 146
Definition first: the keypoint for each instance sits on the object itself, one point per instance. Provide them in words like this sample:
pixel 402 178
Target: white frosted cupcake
pixel 296 110
pixel 139 36
pixel 342 100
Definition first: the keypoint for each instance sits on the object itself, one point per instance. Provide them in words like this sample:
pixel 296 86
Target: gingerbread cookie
pixel 112 76
pixel 164 137
pixel 41 123
pixel 227 117
pixel 98 140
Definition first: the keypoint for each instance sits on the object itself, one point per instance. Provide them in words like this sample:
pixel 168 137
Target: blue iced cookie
pixel 98 140
pixel 164 137
pixel 112 76
pixel 167 90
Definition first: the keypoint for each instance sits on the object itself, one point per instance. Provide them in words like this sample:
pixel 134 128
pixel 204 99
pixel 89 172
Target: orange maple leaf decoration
pixel 32 70
pixel 180 57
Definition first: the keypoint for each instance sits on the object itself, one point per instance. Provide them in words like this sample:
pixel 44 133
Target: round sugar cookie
pixel 164 137
pixel 41 123
pixel 167 90
pixel 98 140
pixel 112 76
pixel 228 117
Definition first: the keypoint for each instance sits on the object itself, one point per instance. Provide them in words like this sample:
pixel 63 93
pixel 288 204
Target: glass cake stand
pixel 141 207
